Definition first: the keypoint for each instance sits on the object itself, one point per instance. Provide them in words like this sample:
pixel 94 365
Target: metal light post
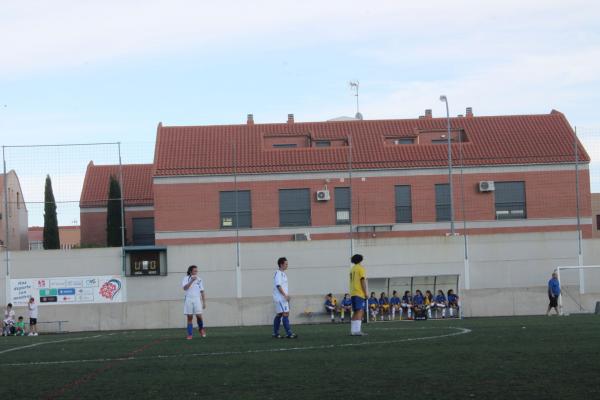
pixel 444 99
pixel 6 226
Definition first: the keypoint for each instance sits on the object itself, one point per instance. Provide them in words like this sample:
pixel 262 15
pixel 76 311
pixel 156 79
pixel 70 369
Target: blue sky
pixel 86 71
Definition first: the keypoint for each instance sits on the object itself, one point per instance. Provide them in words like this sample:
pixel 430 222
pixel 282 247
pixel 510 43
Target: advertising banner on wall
pixel 71 290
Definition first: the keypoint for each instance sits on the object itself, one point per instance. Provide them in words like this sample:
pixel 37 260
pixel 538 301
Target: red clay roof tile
pixel 137 184
pixel 493 140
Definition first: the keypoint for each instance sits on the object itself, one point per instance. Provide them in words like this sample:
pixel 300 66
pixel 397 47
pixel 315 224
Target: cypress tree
pixel 113 214
pixel 51 238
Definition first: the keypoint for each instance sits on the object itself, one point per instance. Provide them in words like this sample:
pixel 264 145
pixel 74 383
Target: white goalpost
pixel 560 272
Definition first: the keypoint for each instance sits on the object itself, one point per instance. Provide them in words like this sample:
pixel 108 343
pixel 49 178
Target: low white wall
pixel 524 301
pixel 508 276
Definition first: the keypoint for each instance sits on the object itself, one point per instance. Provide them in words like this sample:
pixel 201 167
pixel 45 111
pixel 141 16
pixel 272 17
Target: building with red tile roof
pixel 498 140
pixel 365 178
pixel 397 171
pixel 137 197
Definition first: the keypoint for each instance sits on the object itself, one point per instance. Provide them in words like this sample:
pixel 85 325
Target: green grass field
pixel 485 358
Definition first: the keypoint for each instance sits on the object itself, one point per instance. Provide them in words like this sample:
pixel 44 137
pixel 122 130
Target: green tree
pixel 113 214
pixel 51 238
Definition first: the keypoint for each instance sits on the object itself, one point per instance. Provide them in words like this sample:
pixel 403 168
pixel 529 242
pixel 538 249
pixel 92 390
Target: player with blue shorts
pixel 346 306
pixel 195 302
pixel 358 294
pixel 281 299
pixel 395 305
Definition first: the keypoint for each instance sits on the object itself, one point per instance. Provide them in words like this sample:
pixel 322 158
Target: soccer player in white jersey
pixel 33 316
pixel 195 302
pixel 281 298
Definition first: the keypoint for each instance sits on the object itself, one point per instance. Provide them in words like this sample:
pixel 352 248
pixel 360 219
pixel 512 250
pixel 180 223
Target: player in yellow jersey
pixel 358 293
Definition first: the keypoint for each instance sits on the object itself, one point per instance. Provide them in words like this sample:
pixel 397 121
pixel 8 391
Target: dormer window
pixel 285 141
pixel 440 136
pixel 397 141
pixel 299 141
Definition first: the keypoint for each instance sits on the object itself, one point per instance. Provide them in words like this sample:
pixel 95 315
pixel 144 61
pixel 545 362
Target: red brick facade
pixel 192 165
pixel 93 226
pixel 137 193
pixel 549 195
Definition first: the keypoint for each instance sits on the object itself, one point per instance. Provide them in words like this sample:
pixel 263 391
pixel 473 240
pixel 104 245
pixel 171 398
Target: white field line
pixel 460 331
pixel 52 341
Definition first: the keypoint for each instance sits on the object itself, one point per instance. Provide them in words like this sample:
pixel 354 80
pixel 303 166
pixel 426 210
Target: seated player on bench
pixel 373 305
pixel 407 304
pixel 384 305
pixel 331 306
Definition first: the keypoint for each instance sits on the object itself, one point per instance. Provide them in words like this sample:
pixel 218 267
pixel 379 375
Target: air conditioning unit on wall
pixel 323 195
pixel 486 186
pixel 300 237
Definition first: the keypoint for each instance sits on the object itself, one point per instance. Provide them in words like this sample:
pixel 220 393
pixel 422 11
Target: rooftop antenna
pixel 354 86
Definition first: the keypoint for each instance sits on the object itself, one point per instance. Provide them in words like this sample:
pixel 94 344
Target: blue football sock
pixel 276 324
pixel 200 323
pixel 286 325
pixel 190 329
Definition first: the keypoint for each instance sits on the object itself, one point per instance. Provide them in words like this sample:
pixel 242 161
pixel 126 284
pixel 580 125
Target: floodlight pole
pixel 238 271
pixel 444 99
pixel 5 244
pixel 6 226
pixel 464 216
pixel 579 253
pixel 351 194
pixel 123 224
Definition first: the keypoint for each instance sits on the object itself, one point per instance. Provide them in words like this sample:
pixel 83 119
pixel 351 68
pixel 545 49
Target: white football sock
pixel 354 326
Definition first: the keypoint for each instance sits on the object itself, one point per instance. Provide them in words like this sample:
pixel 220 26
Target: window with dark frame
pixel 442 202
pixel 294 207
pixel 598 222
pixel 510 200
pixel 285 145
pixel 403 204
pixel 143 231
pixel 323 143
pixel 228 214
pixel 342 200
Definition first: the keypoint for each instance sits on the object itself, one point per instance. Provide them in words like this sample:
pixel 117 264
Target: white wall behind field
pixel 59 263
pixel 518 265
